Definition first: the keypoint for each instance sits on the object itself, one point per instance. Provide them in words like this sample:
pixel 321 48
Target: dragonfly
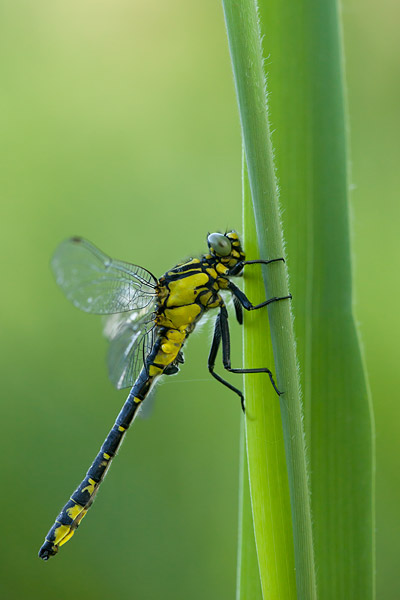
pixel 148 324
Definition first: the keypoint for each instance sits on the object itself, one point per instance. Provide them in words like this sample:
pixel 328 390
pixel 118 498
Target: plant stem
pixel 308 111
pixel 246 54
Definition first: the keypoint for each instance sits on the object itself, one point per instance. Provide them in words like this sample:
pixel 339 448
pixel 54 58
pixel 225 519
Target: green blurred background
pixel 118 122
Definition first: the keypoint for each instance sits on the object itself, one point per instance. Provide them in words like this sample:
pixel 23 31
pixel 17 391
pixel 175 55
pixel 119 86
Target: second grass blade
pixel 307 104
pixel 266 453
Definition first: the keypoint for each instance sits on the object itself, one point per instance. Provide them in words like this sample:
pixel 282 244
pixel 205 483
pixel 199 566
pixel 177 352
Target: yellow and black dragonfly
pixel 149 323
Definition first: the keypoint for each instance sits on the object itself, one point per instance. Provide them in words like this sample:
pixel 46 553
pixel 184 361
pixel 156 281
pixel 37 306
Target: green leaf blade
pixel 308 113
pixel 245 47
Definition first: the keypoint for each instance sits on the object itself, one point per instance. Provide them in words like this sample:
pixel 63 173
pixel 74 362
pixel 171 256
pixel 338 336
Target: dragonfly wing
pixel 95 283
pixel 131 340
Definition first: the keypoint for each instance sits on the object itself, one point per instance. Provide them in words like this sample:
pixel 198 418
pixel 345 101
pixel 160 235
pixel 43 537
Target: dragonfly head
pixel 226 247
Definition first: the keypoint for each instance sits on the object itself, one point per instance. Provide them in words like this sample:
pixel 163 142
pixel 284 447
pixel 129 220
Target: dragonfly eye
pixel 219 243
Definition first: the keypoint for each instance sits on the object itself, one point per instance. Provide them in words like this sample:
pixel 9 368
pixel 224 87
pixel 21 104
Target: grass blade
pixel 307 105
pixel 246 54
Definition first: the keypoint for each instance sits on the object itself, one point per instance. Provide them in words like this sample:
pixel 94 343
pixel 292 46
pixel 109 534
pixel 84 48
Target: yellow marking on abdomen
pixel 75 511
pixel 153 370
pixel 91 487
pixel 60 533
pixel 67 537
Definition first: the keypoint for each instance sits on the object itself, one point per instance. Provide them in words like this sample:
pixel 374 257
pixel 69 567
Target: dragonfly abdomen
pixel 81 500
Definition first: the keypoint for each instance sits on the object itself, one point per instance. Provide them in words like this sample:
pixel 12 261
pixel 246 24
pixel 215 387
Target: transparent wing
pixel 131 338
pixel 95 283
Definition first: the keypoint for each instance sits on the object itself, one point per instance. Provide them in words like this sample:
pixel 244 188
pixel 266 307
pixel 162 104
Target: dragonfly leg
pixel 238 310
pixel 245 302
pixel 226 351
pixel 212 356
pixel 237 269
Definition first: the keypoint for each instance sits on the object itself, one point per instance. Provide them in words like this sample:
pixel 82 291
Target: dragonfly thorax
pixel 190 289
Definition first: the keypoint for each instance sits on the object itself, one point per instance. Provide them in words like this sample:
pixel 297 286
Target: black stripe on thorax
pixel 205 263
pixel 175 275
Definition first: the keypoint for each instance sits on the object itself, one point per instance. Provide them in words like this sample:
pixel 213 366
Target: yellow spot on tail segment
pixel 120 428
pixel 65 532
pixel 90 488
pixel 106 456
pixel 75 511
pixel 60 534
pixel 137 400
pixel 67 537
